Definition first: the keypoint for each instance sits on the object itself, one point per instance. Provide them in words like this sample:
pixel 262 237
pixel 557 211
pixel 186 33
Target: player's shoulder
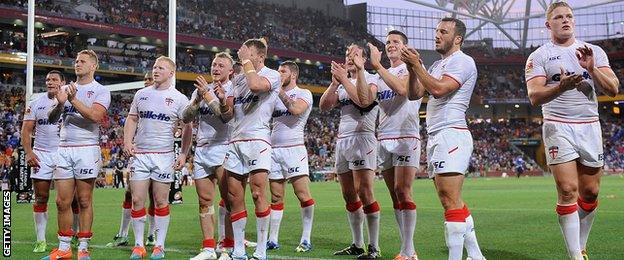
pixel 541 50
pixel 98 86
pixel 177 94
pixel 463 58
pixel 594 47
pixel 302 91
pixel 266 71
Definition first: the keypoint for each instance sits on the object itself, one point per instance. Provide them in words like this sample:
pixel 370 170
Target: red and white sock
pixel 398 216
pixel 83 239
pixel 570 227
pixel 372 221
pixel 151 228
pixel 239 221
pixel 470 240
pixel 454 231
pixel 307 217
pixel 40 214
pixel 138 225
pixel 222 214
pixel 161 223
pixel 356 222
pixel 277 211
pixel 65 237
pixel 126 208
pixel 587 212
pixel 209 243
pixel 262 231
pixel 409 225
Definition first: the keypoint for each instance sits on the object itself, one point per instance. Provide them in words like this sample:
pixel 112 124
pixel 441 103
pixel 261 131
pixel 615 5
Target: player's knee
pixel 204 201
pixel 63 204
pixel 366 195
pixel 84 202
pixel 257 195
pixel 568 192
pixel 590 193
pixel 277 198
pixel 402 195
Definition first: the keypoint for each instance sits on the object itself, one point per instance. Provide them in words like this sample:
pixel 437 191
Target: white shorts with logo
pixel 207 158
pixel 156 166
pixel 288 162
pixel 356 153
pixel 244 157
pixel 79 162
pixel 449 150
pixel 47 164
pixel 566 142
pixel 404 151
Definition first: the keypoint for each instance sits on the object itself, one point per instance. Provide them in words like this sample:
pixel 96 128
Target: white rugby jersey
pixel 450 110
pixel 77 130
pixel 211 129
pixel 46 133
pixel 576 105
pixel 352 119
pixel 252 112
pixel 288 128
pixel 158 112
pixel 398 116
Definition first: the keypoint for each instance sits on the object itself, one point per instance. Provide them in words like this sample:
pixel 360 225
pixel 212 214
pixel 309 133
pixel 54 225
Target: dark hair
pixel 364 47
pixel 57 73
pixel 399 33
pixel 460 27
pixel 292 66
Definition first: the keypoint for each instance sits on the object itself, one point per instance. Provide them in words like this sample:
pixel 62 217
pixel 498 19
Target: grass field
pixel 515 219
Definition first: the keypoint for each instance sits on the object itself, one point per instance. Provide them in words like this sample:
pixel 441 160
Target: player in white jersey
pixel 149 140
pixel 83 106
pixel 210 106
pixel 43 156
pixel 564 76
pixel 399 137
pixel 249 151
pixel 449 82
pixel 354 90
pixel 121 238
pixel 290 156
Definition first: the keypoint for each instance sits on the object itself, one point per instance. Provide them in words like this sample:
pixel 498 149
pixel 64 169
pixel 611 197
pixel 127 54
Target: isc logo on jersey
pixel 153 115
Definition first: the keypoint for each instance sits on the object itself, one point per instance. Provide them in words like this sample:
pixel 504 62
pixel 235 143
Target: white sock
pixel 586 219
pixel 307 217
pixel 409 226
pixel 64 243
pixel 76 223
pixel 138 226
pixel 570 227
pixel 41 221
pixel 83 243
pixel 222 214
pixel 161 223
pixel 239 221
pixel 398 216
pixel 262 231
pixel 470 241
pixel 372 221
pixel 454 234
pixel 151 228
pixel 125 222
pixel 277 211
pixel 356 222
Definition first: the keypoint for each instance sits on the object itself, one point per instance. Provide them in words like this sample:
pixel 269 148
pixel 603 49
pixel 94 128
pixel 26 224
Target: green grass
pixel 515 219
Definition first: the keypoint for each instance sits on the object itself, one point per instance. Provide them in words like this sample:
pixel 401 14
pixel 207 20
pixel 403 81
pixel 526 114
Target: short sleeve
pixel 183 103
pixel 306 96
pixel 534 67
pixel 133 106
pixel 103 97
pixel 29 114
pixel 274 79
pixel 459 69
pixel 600 57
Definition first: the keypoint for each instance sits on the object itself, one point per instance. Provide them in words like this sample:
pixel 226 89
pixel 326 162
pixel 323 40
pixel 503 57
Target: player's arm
pixel 329 99
pixel 55 113
pixel 192 110
pixel 436 87
pixel 294 106
pixel 95 113
pixel 603 76
pixel 366 92
pixel 540 93
pixel 397 84
pixel 129 130
pixel 415 90
pixel 187 134
pixel 27 130
pixel 256 83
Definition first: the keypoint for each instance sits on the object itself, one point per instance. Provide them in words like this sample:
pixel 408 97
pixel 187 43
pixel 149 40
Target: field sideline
pixel 514 218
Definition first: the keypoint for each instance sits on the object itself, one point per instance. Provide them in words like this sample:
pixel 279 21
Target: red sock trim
pixel 466 209
pixel 372 208
pixel 278 206
pixel 209 243
pixel 397 205
pixel 126 205
pixel 307 203
pixel 227 242
pixel 40 208
pixel 66 233
pixel 455 215
pixel 587 206
pixel 262 214
pixel 162 212
pixel 150 211
pixel 351 207
pixel 409 205
pixel 236 216
pixel 84 234
pixel 138 213
pixel 222 203
pixel 76 210
pixel 566 209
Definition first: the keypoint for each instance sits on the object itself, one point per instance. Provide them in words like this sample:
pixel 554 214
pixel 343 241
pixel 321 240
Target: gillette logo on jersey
pixel 557 77
pixel 386 94
pixel 279 113
pixel 246 99
pixel 346 102
pixel 70 109
pixel 45 122
pixel 152 115
pixel 205 111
